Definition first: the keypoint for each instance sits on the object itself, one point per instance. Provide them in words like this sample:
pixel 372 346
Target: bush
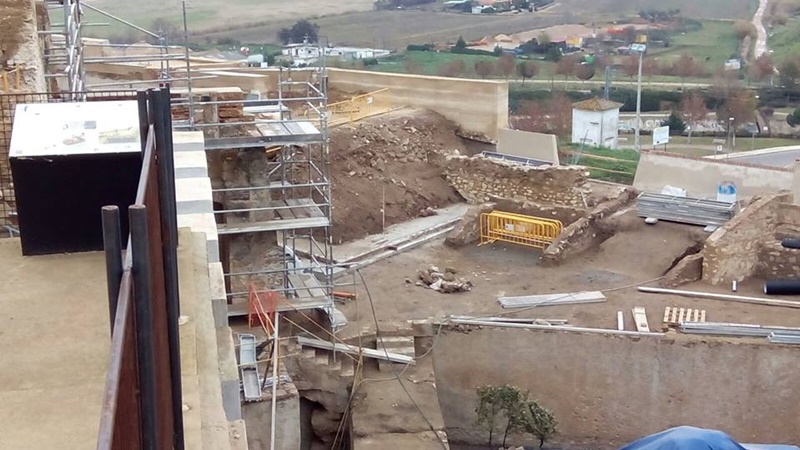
pixel 675 123
pixel 471 51
pixel 419 48
pixel 370 61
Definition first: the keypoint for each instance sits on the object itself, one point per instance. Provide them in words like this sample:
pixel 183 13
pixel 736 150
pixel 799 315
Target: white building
pixel 595 122
pixel 306 53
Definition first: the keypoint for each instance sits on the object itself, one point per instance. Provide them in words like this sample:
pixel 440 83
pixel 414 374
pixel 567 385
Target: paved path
pixel 761 40
pixel 775 157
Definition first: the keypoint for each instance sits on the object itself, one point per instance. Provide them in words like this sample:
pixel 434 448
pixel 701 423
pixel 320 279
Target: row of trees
pixel 509 409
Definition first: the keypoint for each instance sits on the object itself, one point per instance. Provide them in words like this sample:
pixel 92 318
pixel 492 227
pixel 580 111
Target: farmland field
pixel 710 45
pixel 355 22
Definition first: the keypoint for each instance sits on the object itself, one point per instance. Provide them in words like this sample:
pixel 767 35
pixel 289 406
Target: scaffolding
pixel 287 192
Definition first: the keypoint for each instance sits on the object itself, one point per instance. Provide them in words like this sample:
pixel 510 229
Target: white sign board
pixel 639 48
pixel 660 136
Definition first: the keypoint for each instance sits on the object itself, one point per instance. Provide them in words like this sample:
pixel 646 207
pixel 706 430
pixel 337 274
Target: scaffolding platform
pixel 273 225
pixel 272 133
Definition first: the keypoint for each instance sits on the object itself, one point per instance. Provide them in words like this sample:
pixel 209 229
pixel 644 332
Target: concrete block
pixel 191 164
pixel 193 195
pixel 203 223
pixel 188 141
pixel 219 303
pixel 228 374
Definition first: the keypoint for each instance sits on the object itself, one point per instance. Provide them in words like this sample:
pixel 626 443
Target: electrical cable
pixel 394 369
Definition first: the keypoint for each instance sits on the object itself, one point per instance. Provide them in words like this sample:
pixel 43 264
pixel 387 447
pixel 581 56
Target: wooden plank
pixel 674 315
pixel 666 314
pixel 285 211
pixel 311 206
pixel 298 209
pixel 681 315
pixel 299 286
pixel 353 350
pixel 703 315
pixel 640 319
pixel 620 321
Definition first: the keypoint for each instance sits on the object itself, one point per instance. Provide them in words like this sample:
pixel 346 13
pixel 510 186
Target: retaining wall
pixel 700 176
pixel 543 147
pixel 608 390
pixel 479 179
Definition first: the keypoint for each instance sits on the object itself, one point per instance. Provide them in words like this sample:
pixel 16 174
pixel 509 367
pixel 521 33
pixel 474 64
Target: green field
pixel 785 41
pixel 711 45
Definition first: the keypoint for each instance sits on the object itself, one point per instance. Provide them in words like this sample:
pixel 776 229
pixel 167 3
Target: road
pixel 775 157
pixel 559 83
pixel 761 40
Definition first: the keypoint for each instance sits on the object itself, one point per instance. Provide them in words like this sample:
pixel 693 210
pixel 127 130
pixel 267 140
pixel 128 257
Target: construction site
pixel 341 259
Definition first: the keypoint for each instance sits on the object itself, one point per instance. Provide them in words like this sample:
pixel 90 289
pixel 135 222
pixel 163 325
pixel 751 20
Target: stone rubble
pixel 444 282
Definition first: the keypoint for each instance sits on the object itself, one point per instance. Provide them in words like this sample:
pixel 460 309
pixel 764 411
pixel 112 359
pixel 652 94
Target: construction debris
pixel 513 320
pixel 552 299
pixel 354 350
pixel 444 282
pixel 733 298
pixel 695 211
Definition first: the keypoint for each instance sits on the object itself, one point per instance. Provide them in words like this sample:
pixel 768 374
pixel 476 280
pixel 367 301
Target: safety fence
pixel 518 229
pixel 142 406
pixel 360 107
pixel 11 80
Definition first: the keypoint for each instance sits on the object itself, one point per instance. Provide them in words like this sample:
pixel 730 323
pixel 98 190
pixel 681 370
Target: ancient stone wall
pixel 588 231
pixel 732 252
pixel 479 179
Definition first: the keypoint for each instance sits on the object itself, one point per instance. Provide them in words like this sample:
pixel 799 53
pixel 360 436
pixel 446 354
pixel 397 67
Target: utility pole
pixel 639 48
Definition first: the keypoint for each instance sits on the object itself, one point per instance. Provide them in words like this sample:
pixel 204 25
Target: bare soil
pixel 637 253
pixel 396 158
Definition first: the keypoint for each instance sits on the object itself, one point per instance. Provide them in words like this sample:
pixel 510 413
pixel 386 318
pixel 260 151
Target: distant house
pixel 595 122
pixel 307 53
pixel 733 64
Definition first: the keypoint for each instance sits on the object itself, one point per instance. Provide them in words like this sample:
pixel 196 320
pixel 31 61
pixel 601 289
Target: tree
pixel 762 68
pixel 461 43
pixel 553 116
pixel 497 50
pixel 506 64
pixel 567 67
pixel 686 67
pixel 527 69
pixel 455 68
pixel 790 73
pixel 299 32
pixel 675 123
pixel 553 53
pixel 539 421
pixel 693 108
pixel 484 68
pixel 584 71
pixel 743 28
pixel 630 66
pixel 499 405
pixel 793 119
pixel 739 105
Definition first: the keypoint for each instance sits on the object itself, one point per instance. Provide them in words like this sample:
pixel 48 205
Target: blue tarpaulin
pixel 690 438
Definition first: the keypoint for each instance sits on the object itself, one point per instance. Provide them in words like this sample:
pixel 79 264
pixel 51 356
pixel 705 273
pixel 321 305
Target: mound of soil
pixel 395 158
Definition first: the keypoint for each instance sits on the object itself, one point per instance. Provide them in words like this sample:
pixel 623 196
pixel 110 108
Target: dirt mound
pixel 397 157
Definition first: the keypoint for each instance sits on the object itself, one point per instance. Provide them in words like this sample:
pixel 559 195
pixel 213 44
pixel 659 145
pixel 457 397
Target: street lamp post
pixel 639 48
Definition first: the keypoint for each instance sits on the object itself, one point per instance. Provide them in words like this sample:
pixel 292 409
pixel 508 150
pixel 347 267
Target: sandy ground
pixel 54 338
pixel 636 254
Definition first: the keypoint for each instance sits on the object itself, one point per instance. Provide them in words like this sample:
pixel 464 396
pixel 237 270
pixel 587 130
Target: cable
pixel 394 369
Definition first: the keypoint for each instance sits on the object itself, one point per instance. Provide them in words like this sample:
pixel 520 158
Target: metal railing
pixel 142 406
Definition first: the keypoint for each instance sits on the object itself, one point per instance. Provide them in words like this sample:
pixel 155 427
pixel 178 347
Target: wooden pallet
pixel 674 316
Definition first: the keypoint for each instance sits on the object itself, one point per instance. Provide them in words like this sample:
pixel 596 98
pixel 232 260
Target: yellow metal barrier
pixel 360 107
pixel 518 229
pixel 11 80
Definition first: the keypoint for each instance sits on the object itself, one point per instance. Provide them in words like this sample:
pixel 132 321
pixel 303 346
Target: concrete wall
pixel 541 146
pixel 479 179
pixel 607 390
pixel 599 128
pixel 700 177
pixel 732 252
pixel 477 106
pixel 19 43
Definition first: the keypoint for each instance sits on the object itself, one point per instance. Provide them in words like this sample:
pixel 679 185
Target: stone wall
pixel 608 390
pixel 479 179
pixel 732 252
pixel 588 231
pixel 774 261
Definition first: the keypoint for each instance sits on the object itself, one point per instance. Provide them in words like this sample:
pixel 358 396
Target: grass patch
pixel 785 40
pixel 618 166
pixel 429 63
pixel 711 45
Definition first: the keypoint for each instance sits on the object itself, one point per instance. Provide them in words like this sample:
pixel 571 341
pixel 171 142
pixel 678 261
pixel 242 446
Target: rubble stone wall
pixel 732 252
pixel 479 179
pixel 774 261
pixel 588 231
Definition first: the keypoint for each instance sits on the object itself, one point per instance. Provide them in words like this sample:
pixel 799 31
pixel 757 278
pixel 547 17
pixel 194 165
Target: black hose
pixel 790 286
pixel 791 242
